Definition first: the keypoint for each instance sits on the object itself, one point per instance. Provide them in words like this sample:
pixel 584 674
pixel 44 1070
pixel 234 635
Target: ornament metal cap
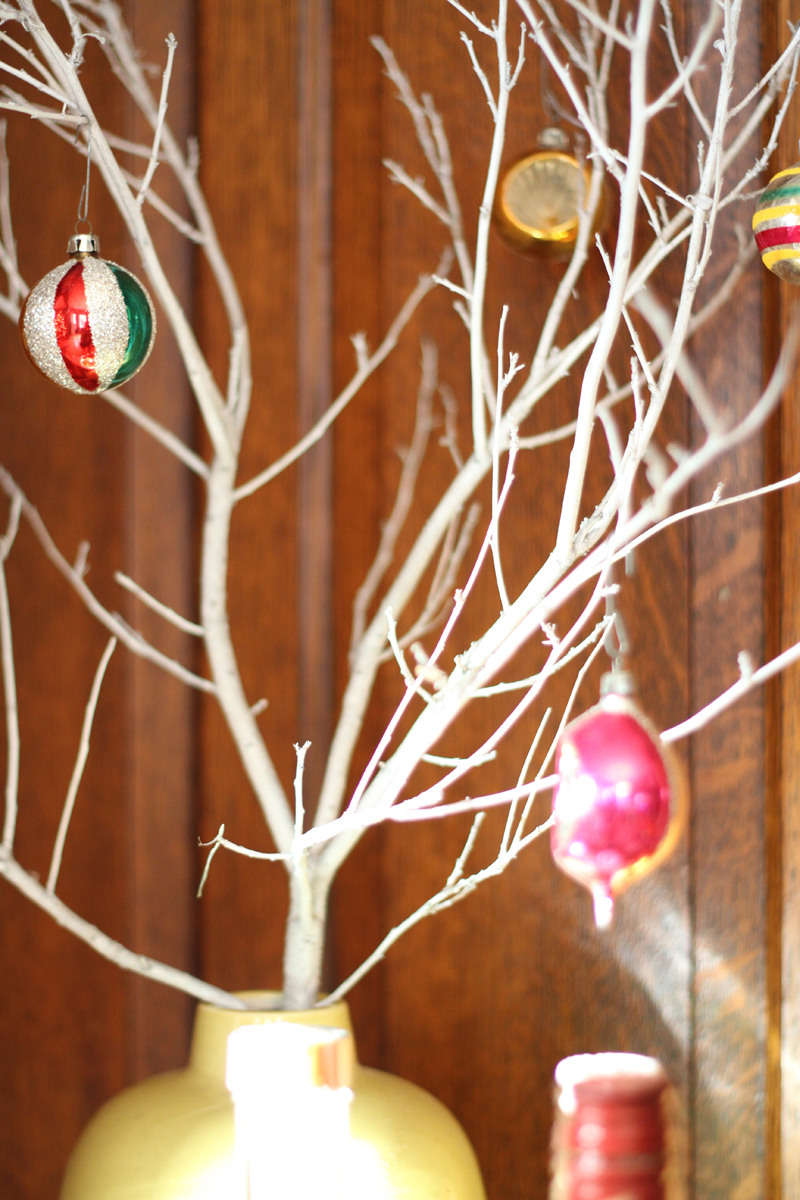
pixel 552 138
pixel 83 243
pixel 617 683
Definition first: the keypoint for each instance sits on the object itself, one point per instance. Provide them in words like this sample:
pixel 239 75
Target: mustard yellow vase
pixel 172 1137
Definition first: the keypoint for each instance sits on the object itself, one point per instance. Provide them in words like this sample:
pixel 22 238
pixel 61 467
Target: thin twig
pixel 172 46
pixel 424 286
pixel 100 942
pixel 78 769
pixel 113 623
pixel 412 462
pixel 163 610
pixel 168 440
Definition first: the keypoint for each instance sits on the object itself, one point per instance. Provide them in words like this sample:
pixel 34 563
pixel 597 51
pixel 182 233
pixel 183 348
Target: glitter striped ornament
pixel 89 325
pixel 776 224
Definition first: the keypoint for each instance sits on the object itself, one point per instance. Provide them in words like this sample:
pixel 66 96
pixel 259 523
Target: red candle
pixel 609 1139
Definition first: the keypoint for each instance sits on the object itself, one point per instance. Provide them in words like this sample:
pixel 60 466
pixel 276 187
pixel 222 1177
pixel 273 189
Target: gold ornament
pixel 539 200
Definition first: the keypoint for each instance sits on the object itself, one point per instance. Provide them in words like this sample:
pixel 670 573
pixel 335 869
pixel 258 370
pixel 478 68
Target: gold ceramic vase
pixel 172 1136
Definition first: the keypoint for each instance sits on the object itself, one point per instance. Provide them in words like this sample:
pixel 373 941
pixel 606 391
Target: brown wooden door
pixel 294 115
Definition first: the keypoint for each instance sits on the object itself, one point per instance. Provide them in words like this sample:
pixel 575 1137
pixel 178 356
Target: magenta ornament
pixel 618 806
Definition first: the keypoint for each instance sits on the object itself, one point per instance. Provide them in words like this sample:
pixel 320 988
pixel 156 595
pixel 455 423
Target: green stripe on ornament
pixel 788 193
pixel 140 323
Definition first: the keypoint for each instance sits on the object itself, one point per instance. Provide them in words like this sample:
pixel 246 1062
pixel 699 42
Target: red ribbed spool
pixel 609 1141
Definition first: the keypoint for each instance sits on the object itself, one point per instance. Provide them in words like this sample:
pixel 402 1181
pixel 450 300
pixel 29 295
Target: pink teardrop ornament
pixel 619 804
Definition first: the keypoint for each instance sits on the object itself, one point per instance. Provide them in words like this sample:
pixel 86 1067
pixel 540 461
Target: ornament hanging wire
pixel 615 639
pixel 616 644
pixel 83 203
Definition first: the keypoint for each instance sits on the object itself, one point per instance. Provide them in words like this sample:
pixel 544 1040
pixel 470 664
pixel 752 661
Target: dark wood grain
pixel 478 1004
pixel 359 98
pixel 728 848
pixel 481 1002
pixel 248 129
pixel 75 1030
pixel 314 384
pixel 159 555
pixel 787 588
pixel 775 324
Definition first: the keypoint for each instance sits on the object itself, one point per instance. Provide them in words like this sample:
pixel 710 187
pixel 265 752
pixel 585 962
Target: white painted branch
pixel 358 690
pixel 481 74
pixel 128 66
pixel 8 248
pixel 205 389
pixel 38 114
pixel 222 658
pixel 487 656
pixel 593 374
pixel 317 431
pixel 168 440
pixel 80 763
pixel 440 595
pixel 449 895
pixel 105 946
pixel 733 694
pixel 35 83
pixel 521 780
pixel 175 219
pixel 113 623
pixel 503 380
pixel 429 128
pixel 479 670
pixel 409 811
pixel 172 46
pixel 601 24
pixel 398 174
pixel 669 29
pixel 163 610
pixel 405 493
pixel 29 58
pixel 476 315
pixel 777 70
pixel 690 67
pixel 471 17
pixel 660 322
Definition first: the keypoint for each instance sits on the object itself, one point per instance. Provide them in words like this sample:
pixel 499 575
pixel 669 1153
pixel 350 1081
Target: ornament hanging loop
pixel 618 681
pixel 83 203
pixel 82 244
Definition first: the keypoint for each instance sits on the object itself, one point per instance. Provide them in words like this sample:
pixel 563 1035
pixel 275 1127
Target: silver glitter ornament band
pixel 108 319
pixel 39 329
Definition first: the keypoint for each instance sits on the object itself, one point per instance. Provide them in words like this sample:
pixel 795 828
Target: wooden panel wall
pixel 782 313
pixel 728 848
pixel 480 1003
pixel 73 1029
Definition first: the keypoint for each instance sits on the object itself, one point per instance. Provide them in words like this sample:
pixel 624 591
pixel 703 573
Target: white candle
pixel 291 1092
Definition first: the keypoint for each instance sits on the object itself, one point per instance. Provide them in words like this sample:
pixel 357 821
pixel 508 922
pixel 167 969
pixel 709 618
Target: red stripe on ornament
pixel 781 235
pixel 73 331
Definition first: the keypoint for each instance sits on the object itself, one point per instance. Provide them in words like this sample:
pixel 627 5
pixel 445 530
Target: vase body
pixel 172 1136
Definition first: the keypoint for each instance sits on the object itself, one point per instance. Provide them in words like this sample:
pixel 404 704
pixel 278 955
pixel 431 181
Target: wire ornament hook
pixel 83 203
pixel 616 644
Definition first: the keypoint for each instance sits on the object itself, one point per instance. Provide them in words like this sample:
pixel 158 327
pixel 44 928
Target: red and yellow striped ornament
pixel 89 325
pixel 776 224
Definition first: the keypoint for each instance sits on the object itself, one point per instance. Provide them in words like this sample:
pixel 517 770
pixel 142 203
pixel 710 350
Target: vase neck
pixel 213 1026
